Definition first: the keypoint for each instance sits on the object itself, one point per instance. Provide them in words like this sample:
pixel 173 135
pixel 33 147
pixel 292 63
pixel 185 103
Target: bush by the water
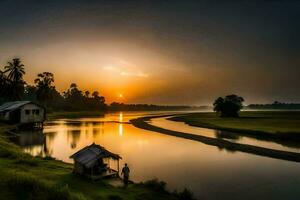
pixel 155 184
pixel 186 194
pixel 160 186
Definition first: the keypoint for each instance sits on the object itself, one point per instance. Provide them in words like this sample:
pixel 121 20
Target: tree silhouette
pixel 44 87
pixel 14 86
pixel 87 94
pixel 95 94
pixel 30 93
pixel 228 106
pixel 3 82
pixel 15 70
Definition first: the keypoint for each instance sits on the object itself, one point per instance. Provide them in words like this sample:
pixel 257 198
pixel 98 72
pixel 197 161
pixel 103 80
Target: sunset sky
pixel 161 52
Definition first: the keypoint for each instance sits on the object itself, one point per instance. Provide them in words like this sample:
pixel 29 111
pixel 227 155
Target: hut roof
pixel 90 154
pixel 13 105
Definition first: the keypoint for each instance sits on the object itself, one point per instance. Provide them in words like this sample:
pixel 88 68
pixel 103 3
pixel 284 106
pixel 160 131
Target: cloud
pixel 139 74
pixel 125 68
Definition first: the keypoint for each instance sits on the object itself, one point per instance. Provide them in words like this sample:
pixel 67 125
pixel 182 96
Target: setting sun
pixel 144 99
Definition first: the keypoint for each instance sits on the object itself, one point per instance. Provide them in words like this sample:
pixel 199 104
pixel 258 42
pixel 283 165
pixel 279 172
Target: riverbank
pixel 142 122
pixel 279 126
pixel 25 177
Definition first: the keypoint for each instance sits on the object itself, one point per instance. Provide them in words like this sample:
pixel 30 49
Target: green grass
pixel 265 124
pixel 25 177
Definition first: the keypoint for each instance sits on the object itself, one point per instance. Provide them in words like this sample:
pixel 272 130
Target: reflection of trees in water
pixel 226 135
pixel 98 129
pixel 50 136
pixel 30 138
pixel 73 137
pixel 49 139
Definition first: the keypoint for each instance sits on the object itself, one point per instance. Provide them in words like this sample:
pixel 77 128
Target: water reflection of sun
pixel 121 117
pixel 120 124
pixel 120 129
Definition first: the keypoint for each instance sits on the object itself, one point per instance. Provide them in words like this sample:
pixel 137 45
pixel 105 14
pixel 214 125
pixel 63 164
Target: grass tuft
pixel 156 185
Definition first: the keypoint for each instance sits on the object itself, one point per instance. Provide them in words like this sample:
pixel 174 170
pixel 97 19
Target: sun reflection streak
pixel 121 117
pixel 120 129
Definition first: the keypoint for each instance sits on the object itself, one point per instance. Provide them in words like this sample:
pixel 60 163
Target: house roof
pixel 90 154
pixel 13 105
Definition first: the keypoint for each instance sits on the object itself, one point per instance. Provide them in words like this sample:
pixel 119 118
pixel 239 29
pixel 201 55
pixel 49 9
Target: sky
pixel 161 52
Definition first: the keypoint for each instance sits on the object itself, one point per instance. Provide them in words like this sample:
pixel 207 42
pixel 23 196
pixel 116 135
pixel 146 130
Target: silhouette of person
pixel 125 173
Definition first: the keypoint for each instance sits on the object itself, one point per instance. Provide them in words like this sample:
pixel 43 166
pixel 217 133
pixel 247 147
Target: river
pixel 211 173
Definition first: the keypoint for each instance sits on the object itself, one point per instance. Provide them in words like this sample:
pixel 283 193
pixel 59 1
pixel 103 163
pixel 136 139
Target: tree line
pixel 14 88
pixel 276 105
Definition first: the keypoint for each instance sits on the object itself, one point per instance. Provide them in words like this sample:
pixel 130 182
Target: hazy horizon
pixel 159 52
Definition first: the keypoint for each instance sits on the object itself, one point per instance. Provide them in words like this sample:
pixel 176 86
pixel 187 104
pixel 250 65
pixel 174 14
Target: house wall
pixel 32 113
pixel 4 116
pixel 78 168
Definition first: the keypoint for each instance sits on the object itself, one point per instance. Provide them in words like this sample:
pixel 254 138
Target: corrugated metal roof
pixel 90 154
pixel 12 105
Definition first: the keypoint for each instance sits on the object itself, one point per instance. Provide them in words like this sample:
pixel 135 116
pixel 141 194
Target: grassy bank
pixel 25 177
pixel 142 122
pixel 269 125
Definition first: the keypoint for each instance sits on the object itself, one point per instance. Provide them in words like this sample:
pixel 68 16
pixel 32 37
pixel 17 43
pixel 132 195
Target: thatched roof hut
pixel 93 161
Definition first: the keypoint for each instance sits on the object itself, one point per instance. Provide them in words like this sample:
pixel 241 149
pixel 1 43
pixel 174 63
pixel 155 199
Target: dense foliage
pixel 228 106
pixel 14 88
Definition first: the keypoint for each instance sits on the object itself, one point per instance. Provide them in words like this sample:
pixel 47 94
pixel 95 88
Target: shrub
pixel 114 197
pixel 186 194
pixel 48 158
pixel 156 185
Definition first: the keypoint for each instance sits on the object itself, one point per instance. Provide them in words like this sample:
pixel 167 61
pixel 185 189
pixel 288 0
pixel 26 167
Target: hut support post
pixel 118 167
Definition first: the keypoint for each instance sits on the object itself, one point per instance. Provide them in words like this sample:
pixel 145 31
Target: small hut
pixel 93 161
pixel 23 113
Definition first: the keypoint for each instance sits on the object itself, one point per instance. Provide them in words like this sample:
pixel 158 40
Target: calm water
pixel 163 122
pixel 209 172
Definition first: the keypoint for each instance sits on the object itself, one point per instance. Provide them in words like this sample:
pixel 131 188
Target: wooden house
pixel 93 161
pixel 23 113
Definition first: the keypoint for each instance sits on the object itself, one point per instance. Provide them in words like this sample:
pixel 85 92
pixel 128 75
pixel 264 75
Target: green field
pixel 283 125
pixel 25 177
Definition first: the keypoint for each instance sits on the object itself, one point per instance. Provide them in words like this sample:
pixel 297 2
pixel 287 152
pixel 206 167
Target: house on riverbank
pixel 23 113
pixel 93 161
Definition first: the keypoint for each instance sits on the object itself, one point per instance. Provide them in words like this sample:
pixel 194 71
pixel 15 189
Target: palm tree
pixel 15 70
pixel 14 86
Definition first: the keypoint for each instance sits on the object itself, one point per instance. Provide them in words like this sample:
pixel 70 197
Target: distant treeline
pixel 275 105
pixel 14 88
pixel 148 107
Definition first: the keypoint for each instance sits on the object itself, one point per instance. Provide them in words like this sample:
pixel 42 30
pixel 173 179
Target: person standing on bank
pixel 125 173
